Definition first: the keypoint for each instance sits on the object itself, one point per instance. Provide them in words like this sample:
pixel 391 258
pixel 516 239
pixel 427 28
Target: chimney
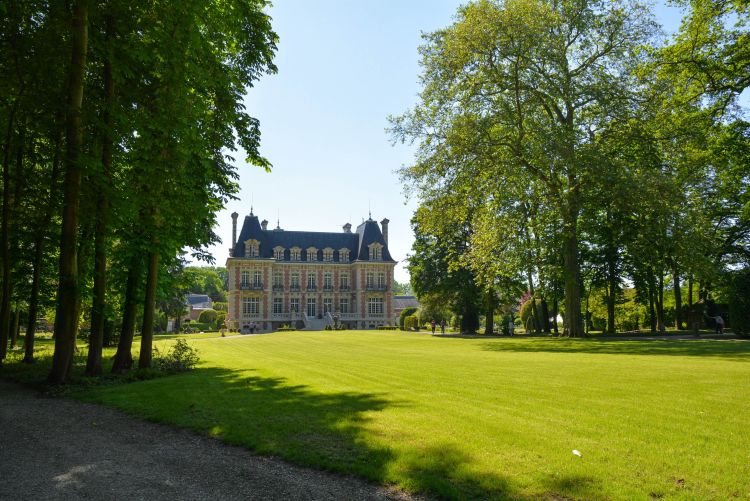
pixel 264 224
pixel 234 229
pixel 347 228
pixel 384 224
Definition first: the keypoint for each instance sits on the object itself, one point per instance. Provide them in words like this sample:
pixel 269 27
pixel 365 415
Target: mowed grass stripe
pixel 475 418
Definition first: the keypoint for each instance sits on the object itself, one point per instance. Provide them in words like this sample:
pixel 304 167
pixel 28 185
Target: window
pixel 312 254
pixel 344 281
pixel 344 305
pixel 311 307
pixel 278 253
pixel 343 255
pixel 245 278
pixel 257 278
pixel 370 280
pixel 328 280
pixel 294 305
pixel 252 248
pixel 311 281
pixel 295 280
pixel 294 254
pixel 376 252
pixel 277 279
pixel 328 254
pixel 250 306
pixel 278 305
pixel 381 280
pixel 375 306
pixel 327 305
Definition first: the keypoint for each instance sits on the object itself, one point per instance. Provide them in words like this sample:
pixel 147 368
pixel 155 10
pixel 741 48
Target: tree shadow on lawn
pixel 322 430
pixel 732 349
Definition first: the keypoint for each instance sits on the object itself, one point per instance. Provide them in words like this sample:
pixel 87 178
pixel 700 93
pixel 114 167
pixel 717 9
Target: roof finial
pixel 252 200
pixel 369 210
pixel 278 224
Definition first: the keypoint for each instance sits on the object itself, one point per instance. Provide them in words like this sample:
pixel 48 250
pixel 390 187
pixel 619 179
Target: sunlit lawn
pixel 474 418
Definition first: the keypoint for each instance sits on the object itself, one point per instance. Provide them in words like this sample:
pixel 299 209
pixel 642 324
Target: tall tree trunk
pixel 68 289
pixel 611 295
pixel 124 357
pixel 677 299
pixel 651 310
pixel 690 290
pixel 39 258
pixel 571 274
pixel 489 319
pixel 555 313
pixel 5 241
pixel 147 332
pixel 660 302
pixel 545 316
pixel 14 330
pixel 96 337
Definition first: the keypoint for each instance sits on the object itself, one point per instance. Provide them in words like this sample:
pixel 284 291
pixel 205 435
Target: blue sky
pixel 343 67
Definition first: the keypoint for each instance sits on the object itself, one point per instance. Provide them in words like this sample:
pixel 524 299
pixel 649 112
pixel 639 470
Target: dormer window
pixel 328 254
pixel 278 253
pixel 376 252
pixel 312 254
pixel 252 248
pixel 343 255
pixel 294 253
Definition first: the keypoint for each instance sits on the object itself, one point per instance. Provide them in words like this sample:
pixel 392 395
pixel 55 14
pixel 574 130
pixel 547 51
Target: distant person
pixel 432 324
pixel 511 326
pixel 442 326
pixel 252 328
pixel 719 324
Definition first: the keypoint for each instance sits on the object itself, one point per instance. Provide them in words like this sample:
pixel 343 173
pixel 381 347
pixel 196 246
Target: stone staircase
pixel 318 324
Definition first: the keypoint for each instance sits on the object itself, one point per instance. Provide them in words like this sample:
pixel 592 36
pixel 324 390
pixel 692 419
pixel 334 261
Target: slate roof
pixel 357 242
pixel 198 298
pixel 403 302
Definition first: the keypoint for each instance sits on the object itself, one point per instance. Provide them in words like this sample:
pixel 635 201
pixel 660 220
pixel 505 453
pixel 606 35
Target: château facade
pixel 305 279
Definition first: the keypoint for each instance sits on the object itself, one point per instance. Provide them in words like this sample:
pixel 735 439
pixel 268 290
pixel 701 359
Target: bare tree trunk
pixel 39 257
pixel 571 274
pixel 96 336
pixel 677 299
pixel 5 241
pixel 690 290
pixel 660 302
pixel 651 310
pixel 15 327
pixel 489 319
pixel 147 332
pixel 68 290
pixel 545 316
pixel 124 356
pixel 554 315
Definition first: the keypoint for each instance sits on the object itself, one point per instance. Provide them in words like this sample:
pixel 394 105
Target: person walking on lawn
pixel 432 324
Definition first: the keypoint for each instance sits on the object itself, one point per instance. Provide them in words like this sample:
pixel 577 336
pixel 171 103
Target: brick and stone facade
pixel 304 279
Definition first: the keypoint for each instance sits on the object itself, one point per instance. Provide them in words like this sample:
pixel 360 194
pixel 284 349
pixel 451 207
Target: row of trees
pixel 567 146
pixel 118 121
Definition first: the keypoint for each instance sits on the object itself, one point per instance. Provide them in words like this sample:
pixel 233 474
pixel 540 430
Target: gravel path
pixel 57 448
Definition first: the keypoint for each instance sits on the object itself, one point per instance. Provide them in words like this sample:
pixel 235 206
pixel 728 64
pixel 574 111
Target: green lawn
pixel 471 417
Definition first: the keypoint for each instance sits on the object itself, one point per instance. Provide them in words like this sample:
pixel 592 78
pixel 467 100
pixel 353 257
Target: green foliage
pixel 286 328
pixel 739 303
pixel 220 317
pixel 220 305
pixel 411 323
pixel 207 317
pixel 180 357
pixel 192 327
pixel 387 328
pixel 406 312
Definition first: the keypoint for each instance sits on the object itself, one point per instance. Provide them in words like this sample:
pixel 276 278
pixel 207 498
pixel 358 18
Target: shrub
pixel 411 323
pixel 220 317
pixel 285 328
pixel 525 314
pixel 739 303
pixel 406 312
pixel 387 328
pixel 181 357
pixel 207 317
pixel 219 306
pixel 195 327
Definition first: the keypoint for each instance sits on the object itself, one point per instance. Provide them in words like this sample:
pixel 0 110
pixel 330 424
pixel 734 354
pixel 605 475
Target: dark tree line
pixel 119 124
